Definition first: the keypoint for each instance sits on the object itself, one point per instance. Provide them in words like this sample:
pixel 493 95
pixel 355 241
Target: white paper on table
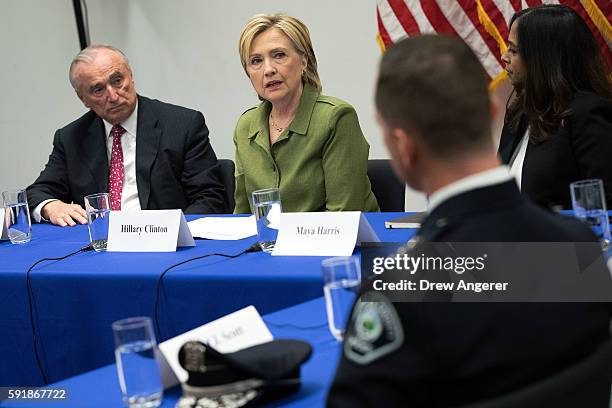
pixel 235 331
pixel 322 233
pixel 4 234
pixel 223 228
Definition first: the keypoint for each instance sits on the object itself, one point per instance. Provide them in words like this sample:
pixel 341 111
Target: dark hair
pixel 435 87
pixel 560 57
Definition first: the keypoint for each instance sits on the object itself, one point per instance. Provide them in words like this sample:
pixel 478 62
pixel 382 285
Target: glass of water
pixel 267 208
pixel 589 204
pixel 97 207
pixel 137 367
pixel 17 216
pixel 342 278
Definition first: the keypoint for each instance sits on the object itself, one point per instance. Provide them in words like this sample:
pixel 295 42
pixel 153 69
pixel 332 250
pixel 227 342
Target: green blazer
pixel 319 162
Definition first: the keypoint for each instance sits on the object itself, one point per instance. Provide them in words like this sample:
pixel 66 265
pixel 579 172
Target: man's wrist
pixel 38 214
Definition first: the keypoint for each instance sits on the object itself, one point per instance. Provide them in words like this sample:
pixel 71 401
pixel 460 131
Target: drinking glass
pixel 17 216
pixel 97 207
pixel 342 277
pixel 267 208
pixel 589 204
pixel 137 367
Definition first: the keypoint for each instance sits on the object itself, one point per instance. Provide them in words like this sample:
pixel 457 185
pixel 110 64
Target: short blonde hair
pixel 294 29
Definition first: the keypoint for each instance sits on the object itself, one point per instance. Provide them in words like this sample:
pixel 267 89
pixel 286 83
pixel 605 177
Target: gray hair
pixel 87 55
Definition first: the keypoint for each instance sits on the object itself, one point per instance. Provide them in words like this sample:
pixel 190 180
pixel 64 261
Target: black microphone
pixel 253 248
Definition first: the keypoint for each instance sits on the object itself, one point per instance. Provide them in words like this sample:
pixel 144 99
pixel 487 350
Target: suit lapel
pixel 509 141
pixel 148 136
pixel 94 154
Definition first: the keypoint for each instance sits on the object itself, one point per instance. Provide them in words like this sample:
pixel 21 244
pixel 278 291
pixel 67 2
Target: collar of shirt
pixel 483 179
pixel 129 125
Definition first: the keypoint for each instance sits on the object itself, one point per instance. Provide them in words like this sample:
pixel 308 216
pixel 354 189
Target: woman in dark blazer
pixel 558 125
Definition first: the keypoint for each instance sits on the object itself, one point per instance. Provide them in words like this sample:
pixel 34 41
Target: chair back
pixel 388 190
pixel 225 173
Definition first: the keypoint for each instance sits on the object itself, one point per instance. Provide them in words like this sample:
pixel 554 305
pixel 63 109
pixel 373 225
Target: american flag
pixel 482 24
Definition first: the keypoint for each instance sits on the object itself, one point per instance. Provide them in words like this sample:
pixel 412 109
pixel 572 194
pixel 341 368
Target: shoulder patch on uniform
pixel 375 329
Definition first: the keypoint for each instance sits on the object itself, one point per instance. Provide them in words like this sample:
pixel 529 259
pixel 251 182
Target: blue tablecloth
pixel 77 299
pixel 307 321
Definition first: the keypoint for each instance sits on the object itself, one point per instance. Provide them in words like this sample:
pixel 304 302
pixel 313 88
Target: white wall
pixel 181 51
pixel 37 40
pixel 184 52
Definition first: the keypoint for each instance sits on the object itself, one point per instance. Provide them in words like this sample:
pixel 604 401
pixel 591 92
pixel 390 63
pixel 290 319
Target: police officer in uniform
pixel 435 111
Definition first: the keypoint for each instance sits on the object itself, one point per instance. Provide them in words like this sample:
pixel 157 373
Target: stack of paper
pixel 223 228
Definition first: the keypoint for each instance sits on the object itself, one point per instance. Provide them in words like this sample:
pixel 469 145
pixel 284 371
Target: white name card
pixel 148 231
pixel 236 331
pixel 322 233
pixel 4 233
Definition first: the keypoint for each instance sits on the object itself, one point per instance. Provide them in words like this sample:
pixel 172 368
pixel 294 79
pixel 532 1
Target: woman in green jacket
pixel 308 145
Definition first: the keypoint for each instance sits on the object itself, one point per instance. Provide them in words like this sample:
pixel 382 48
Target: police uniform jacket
pixel 450 354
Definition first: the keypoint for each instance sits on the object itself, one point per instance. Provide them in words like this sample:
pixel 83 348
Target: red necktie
pixel 115 177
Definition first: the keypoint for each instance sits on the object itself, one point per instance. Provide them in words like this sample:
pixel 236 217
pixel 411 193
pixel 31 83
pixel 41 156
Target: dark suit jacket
pixel 454 353
pixel 175 163
pixel 581 149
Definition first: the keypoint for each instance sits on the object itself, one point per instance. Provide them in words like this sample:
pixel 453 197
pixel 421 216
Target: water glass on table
pixel 589 205
pixel 137 366
pixel 17 216
pixel 97 207
pixel 267 208
pixel 342 278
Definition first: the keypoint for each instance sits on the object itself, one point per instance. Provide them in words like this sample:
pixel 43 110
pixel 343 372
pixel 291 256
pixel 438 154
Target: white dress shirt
pixel 518 159
pixel 485 178
pixel 129 192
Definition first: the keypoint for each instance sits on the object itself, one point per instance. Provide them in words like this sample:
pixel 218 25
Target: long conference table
pixel 307 321
pixel 76 300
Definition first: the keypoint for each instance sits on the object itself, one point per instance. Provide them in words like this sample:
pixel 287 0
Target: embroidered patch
pixel 375 329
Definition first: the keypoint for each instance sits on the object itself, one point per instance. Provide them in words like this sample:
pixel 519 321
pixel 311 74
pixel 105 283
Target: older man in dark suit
pixel 435 113
pixel 147 154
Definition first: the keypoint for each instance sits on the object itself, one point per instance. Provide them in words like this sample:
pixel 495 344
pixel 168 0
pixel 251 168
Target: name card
pixel 236 331
pixel 148 231
pixel 4 233
pixel 322 233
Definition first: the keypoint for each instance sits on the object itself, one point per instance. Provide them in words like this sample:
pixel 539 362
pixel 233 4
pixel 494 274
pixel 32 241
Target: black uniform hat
pixel 245 378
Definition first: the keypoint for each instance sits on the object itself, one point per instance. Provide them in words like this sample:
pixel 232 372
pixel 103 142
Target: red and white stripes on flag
pixel 482 24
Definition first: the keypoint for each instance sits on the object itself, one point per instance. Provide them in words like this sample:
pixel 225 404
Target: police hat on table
pixel 245 378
